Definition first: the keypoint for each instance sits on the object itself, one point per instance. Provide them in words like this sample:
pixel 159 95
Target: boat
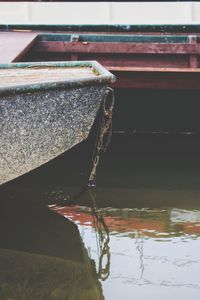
pixel 46 108
pixel 141 56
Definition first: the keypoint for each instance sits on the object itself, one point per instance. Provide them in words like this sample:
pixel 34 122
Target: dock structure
pixel 151 57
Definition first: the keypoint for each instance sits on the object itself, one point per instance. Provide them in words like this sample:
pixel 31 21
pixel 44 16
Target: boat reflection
pixel 163 223
pixel 145 250
pixel 42 255
pixel 95 218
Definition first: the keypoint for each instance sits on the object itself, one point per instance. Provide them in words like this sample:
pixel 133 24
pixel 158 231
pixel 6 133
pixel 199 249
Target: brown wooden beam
pixel 193 62
pixel 155 70
pixel 157 80
pixel 74 56
pixel 127 48
pixel 134 60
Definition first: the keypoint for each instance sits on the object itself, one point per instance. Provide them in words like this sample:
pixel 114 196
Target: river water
pixel 135 236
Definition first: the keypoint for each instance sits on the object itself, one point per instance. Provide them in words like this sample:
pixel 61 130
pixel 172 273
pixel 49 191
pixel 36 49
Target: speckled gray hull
pixel 36 127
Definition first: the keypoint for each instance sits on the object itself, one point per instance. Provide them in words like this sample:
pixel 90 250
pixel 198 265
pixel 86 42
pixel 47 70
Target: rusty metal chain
pixel 102 141
pixel 104 134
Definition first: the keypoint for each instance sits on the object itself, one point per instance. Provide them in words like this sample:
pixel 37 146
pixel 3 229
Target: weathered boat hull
pixel 39 125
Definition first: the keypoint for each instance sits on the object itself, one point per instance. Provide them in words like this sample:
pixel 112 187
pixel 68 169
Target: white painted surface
pixel 100 12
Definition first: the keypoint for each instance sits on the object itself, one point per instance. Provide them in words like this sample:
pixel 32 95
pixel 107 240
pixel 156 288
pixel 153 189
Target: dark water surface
pixel 136 236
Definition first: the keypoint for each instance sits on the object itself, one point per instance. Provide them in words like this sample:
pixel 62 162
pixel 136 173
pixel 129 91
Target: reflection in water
pixel 102 238
pixel 101 233
pixel 139 247
pixel 151 251
pixel 41 254
pixel 138 238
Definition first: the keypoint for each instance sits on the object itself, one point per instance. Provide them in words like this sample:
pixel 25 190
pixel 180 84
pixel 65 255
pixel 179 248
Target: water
pixel 136 236
pixel 152 253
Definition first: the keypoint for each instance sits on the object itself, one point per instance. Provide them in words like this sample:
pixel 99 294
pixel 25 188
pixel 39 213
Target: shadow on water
pixel 42 255
pixel 149 171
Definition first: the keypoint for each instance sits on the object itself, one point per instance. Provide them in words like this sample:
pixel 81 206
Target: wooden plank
pixel 107 47
pixel 13 45
pixel 135 60
pixel 144 69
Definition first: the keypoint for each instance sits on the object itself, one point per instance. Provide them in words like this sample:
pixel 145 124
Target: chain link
pixel 104 135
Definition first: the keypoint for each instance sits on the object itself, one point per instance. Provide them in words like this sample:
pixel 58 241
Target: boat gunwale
pixel 104 77
pixel 113 38
pixel 115 27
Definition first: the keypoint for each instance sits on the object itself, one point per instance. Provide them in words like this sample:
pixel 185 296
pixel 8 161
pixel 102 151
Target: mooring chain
pixel 102 141
pixel 105 132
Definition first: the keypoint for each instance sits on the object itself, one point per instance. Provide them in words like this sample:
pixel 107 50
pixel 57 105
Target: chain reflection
pixel 102 238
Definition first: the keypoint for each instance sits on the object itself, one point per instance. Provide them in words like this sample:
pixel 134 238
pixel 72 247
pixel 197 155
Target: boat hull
pixel 39 126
